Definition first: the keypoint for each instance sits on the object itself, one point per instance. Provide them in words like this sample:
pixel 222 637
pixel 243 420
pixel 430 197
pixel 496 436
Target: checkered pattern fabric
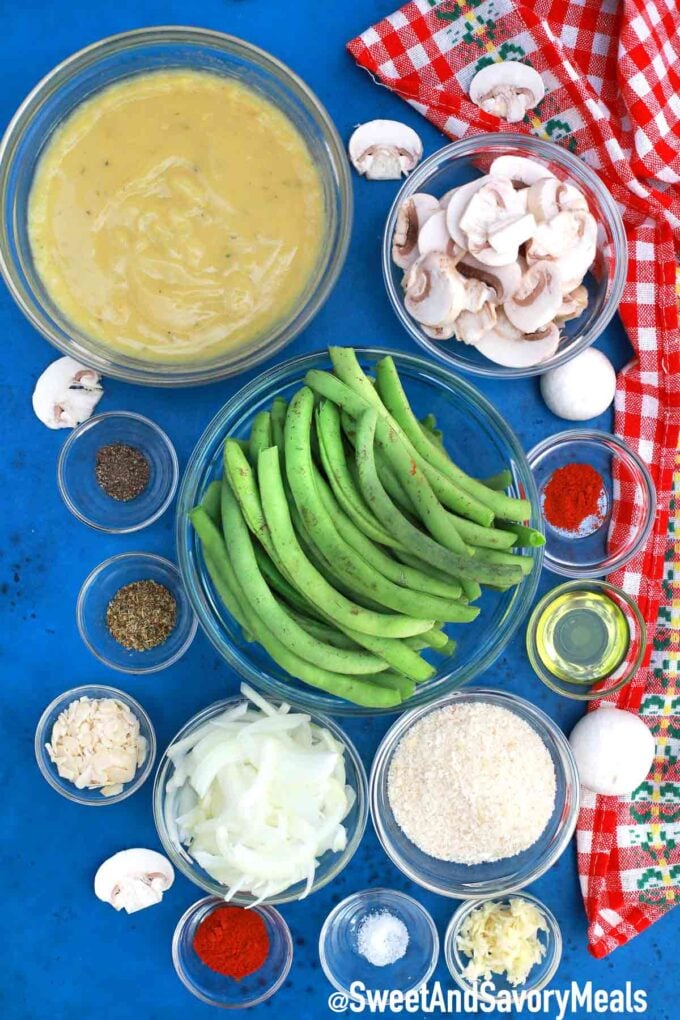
pixel 612 75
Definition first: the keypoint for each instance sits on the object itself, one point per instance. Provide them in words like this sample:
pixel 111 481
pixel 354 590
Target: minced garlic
pixel 502 938
pixel 96 744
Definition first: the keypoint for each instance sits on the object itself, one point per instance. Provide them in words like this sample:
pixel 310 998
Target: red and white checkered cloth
pixel 612 75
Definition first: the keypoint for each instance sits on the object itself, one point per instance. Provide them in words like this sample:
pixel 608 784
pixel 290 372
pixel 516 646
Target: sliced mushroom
pixel 413 214
pixel 478 294
pixel 576 262
pixel 438 332
pixel 133 879
pixel 573 305
pixel 546 198
pixel 471 326
pixel 507 89
pixel 493 223
pixel 434 235
pixel 383 150
pixel 66 394
pixel 537 300
pixel 508 235
pixel 518 353
pixel 504 279
pixel 519 169
pixel 457 201
pixel 569 240
pixel 435 290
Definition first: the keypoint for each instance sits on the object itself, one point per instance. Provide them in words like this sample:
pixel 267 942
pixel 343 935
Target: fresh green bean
pixel 482 538
pixel 525 563
pixel 470 590
pixel 304 575
pixel 275 579
pixel 240 476
pixel 395 682
pixel 324 631
pixel 499 482
pixel 525 536
pixel 352 688
pixel 212 501
pixel 460 566
pixel 376 558
pixel 278 412
pixel 260 434
pixel 348 564
pixel 395 400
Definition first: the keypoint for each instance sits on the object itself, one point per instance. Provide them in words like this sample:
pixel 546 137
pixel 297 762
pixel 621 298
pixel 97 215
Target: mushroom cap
pixel 504 279
pixel 582 389
pixel 614 751
pixel 519 169
pixel 522 353
pixel 435 290
pixel 133 879
pixel 384 149
pixel 538 298
pixel 507 89
pixel 66 394
pixel 413 213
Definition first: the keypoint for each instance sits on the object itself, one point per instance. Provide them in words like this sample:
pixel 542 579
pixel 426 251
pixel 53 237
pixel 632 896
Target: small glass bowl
pixel 463 161
pixel 78 483
pixel 625 477
pixel 624 672
pixel 217 989
pixel 498 878
pixel 112 60
pixel 99 588
pixel 539 976
pixel 340 958
pixel 43 732
pixel 330 864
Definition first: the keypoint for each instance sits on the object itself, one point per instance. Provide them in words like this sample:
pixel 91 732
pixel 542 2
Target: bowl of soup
pixel 176 206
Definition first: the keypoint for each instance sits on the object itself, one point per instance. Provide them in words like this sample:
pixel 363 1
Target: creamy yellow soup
pixel 175 215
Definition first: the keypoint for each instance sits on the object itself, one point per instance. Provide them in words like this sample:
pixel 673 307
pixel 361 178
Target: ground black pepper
pixel 141 615
pixel 122 471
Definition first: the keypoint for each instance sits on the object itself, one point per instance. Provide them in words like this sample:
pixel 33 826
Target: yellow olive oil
pixel 582 637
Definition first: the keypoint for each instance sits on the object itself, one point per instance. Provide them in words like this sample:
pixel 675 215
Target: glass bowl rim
pixel 211 885
pixel 397 895
pixel 638 469
pixel 580 172
pixel 274 916
pixel 105 691
pixel 70 443
pixel 91 580
pixel 491 889
pixel 121 366
pixel 554 683
pixel 554 939
pixel 215 431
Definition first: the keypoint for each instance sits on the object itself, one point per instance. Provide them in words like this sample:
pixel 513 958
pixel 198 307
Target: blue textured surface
pixel 65 953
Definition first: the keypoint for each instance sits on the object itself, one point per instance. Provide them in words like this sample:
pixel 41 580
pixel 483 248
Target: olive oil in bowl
pixel 582 636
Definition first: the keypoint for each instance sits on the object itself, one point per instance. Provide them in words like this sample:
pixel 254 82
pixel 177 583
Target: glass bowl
pixel 119 57
pixel 483 445
pixel 91 798
pixel 540 975
pixel 467 159
pixel 78 483
pixel 329 866
pixel 340 958
pixel 625 670
pixel 99 588
pixel 217 989
pixel 625 478
pixel 478 881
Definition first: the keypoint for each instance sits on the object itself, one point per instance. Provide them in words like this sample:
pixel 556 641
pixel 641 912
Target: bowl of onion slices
pixel 255 801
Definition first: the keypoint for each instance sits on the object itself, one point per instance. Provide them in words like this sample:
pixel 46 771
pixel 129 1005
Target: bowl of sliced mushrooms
pixel 504 255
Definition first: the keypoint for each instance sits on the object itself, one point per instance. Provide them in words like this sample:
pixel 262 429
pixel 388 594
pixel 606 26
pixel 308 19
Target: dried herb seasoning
pixel 122 471
pixel 141 615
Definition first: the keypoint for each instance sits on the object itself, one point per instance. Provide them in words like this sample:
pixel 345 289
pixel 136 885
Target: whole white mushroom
pixel 581 389
pixel 614 751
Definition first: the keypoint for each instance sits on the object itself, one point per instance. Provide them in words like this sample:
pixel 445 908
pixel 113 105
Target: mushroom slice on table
pixel 383 150
pixel 413 213
pixel 66 394
pixel 520 170
pixel 549 196
pixel 537 300
pixel 435 290
pixel 507 89
pixel 133 879
pixel 511 352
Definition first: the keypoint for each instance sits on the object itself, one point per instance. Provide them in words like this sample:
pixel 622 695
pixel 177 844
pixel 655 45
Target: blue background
pixel 66 954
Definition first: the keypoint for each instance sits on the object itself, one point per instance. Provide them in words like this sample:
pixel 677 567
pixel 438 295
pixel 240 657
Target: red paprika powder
pixel 575 499
pixel 232 941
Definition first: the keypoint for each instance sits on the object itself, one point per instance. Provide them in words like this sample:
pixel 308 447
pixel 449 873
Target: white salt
pixel 382 938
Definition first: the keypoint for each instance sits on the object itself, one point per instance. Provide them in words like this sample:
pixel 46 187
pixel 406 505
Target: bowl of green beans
pixel 359 531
